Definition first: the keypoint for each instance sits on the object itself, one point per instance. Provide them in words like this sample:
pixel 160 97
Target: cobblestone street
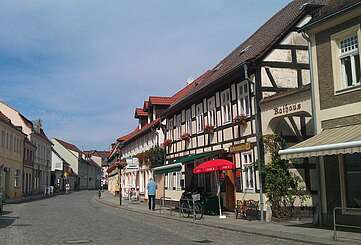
pixel 78 219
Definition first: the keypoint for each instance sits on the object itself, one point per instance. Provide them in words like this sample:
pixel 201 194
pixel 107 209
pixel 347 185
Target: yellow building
pixel 11 158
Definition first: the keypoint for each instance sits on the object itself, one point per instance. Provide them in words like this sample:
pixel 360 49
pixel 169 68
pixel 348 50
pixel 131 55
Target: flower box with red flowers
pixel 209 129
pixel 186 137
pixel 167 142
pixel 240 120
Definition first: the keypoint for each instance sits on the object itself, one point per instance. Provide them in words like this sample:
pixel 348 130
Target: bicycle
pixel 189 207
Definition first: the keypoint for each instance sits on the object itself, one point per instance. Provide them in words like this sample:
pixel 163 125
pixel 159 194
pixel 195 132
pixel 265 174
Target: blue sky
pixel 83 66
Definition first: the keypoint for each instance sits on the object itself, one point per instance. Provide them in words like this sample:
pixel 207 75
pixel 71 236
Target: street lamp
pixel 120 184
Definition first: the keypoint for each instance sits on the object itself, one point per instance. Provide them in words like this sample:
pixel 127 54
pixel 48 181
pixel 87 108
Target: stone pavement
pixel 293 231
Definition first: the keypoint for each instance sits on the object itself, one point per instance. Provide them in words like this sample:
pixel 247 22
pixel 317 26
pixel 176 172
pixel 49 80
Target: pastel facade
pixel 11 158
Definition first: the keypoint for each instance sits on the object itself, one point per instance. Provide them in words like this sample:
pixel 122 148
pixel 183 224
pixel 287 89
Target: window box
pixel 186 137
pixel 209 129
pixel 167 142
pixel 240 120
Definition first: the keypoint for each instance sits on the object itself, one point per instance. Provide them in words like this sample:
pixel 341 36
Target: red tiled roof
pixel 128 136
pixel 139 112
pixel 161 100
pixel 138 132
pixel 68 145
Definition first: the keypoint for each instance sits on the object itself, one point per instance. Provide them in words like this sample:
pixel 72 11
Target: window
pixel 211 111
pixel 179 126
pixel 189 121
pixel 171 180
pixel 178 180
pixel 17 178
pixel 243 99
pixel 346 58
pixel 2 139
pixel 11 142
pixel 350 61
pixel 170 128
pixel 248 171
pixel 7 140
pixel 226 106
pixel 199 118
pixel 166 184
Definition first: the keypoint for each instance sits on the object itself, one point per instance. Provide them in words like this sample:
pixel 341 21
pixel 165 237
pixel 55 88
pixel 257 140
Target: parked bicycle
pixel 189 207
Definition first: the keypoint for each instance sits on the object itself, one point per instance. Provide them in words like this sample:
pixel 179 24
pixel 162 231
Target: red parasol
pixel 213 166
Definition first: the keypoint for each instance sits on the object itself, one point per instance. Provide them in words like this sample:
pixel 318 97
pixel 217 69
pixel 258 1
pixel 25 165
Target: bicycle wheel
pixel 184 208
pixel 198 210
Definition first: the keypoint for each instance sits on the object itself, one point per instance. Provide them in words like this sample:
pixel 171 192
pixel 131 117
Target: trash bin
pixel 1 203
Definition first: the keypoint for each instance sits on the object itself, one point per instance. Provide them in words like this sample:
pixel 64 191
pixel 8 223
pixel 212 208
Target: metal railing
pixel 162 203
pixel 344 212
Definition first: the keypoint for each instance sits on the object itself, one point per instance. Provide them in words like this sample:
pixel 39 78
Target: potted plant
pixel 209 129
pixel 240 120
pixel 186 137
pixel 167 142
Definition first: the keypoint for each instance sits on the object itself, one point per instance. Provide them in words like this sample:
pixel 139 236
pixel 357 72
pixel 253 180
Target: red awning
pixel 214 165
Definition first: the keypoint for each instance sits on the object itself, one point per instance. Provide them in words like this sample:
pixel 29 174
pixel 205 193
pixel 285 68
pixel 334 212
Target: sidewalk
pixel 293 231
pixel 29 198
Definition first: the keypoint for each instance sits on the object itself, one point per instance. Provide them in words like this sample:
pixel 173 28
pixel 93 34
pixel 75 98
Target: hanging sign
pixel 240 147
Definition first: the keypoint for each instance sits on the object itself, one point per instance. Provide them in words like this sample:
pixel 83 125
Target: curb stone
pixel 259 233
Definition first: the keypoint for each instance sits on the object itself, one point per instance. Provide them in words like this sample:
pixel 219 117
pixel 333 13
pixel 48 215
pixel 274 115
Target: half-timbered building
pixel 262 87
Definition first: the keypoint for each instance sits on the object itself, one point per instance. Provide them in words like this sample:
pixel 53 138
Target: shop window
pixel 353 180
pixel 346 58
pixel 238 182
pixel 226 106
pixel 248 171
pixel 243 99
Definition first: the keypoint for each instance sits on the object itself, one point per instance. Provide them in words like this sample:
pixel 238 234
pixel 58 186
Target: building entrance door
pixel 230 196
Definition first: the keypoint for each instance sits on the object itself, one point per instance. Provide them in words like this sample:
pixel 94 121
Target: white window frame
pixel 170 128
pixel 178 180
pixel 199 118
pixel 188 122
pixel 340 84
pixel 17 178
pixel 243 98
pixel 179 126
pixel 248 171
pixel 226 106
pixel 211 104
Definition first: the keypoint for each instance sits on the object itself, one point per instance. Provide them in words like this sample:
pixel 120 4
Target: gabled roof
pixel 329 9
pixel 161 100
pixel 128 136
pixel 139 112
pixel 68 146
pixel 103 154
pixel 58 155
pixel 6 120
pixel 254 48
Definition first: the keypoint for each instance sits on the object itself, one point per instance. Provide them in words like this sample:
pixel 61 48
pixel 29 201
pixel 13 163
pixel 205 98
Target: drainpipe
pixel 258 123
pixel 314 121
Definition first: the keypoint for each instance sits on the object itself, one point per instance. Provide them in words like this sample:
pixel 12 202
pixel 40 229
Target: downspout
pixel 314 122
pixel 258 124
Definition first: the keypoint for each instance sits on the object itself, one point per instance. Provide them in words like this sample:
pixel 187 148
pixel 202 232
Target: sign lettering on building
pixel 285 109
pixel 240 147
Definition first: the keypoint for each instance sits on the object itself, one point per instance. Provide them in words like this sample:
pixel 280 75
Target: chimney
pixel 38 125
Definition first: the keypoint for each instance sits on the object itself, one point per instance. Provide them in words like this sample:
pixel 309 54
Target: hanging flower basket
pixel 186 137
pixel 209 129
pixel 167 142
pixel 240 120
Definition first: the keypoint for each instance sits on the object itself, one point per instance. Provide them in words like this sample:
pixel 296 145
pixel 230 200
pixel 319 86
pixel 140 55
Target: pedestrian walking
pixel 151 187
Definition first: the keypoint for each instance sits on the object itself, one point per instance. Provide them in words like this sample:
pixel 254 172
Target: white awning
pixel 341 140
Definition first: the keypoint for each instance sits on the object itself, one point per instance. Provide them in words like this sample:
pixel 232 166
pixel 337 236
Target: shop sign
pixel 132 163
pixel 240 147
pixel 285 109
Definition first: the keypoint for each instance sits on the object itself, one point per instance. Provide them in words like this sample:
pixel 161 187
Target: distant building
pixel 87 171
pixel 11 158
pixel 100 158
pixel 36 135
